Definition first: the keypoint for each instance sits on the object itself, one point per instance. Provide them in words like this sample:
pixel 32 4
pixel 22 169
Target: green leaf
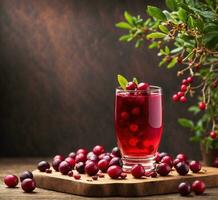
pixel 163 28
pixel 135 80
pixel 186 123
pixel 125 38
pixel 194 109
pixel 156 13
pixel 156 35
pixel 122 81
pixel 129 18
pixel 139 43
pixel 195 139
pixel 172 63
pixel 171 4
pixel 190 22
pixel 123 25
pixel 162 62
pixel 153 45
pixel 182 14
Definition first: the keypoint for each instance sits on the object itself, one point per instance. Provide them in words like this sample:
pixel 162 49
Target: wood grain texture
pixel 106 186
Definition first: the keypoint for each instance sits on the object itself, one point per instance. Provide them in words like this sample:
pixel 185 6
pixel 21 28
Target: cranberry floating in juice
pixel 138 122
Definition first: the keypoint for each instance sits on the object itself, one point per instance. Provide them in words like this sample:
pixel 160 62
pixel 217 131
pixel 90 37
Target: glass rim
pixel 152 88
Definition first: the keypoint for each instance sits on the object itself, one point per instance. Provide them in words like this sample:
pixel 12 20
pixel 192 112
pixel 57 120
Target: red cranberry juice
pixel 138 123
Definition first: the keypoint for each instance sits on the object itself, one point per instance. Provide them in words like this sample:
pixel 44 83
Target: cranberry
pixel 163 169
pixel 26 174
pixel 116 152
pixel 190 79
pixel 184 188
pixel 136 111
pixel 28 185
pixel 80 158
pixel 55 164
pixel 71 161
pixel 138 171
pixel 133 127
pixel 142 86
pixel 95 178
pixel 153 174
pixel 183 99
pixel 43 165
pixel 124 116
pixel 114 171
pixel 76 176
pixel 182 157
pixel 131 86
pixel 215 163
pixel 175 162
pixel 64 167
pixel 123 175
pixel 195 166
pixel 108 158
pixel 72 155
pixel 213 134
pixel 91 168
pixel 198 187
pixel 202 105
pixel 70 173
pixel 167 160
pixel 80 167
pixel 59 157
pixel 183 88
pixel 83 151
pixel 182 168
pixel 11 181
pixel 162 154
pixel 116 161
pixel 90 154
pixel 94 158
pixel 48 171
pixel 185 82
pixel 103 165
pixel 180 94
pixel 175 97
pixel 98 149
pixel 157 157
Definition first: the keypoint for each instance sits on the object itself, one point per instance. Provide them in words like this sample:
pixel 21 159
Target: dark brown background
pixel 59 60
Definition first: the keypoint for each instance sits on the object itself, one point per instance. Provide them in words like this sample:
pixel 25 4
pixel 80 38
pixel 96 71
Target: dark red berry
pixel 124 116
pixel 108 158
pixel 76 176
pixel 184 188
pixel 162 154
pixel 59 157
pixel 142 86
pixel 93 158
pixel 28 185
pixel 64 167
pixel 70 173
pixel 123 175
pixel 153 174
pixel 195 166
pixel 202 105
pixel 131 86
pixel 180 94
pixel 198 187
pixel 72 155
pixel 11 181
pixel 80 158
pixel 114 171
pixel 71 161
pixel 91 168
pixel 215 162
pixel 213 134
pixel 103 165
pixel 43 165
pixel 95 178
pixel 116 161
pixel 157 157
pixel 138 171
pixel 182 168
pixel 175 97
pixel 183 99
pixel 189 79
pixel 98 149
pixel 185 82
pixel 80 167
pixel 175 162
pixel 48 171
pixel 26 174
pixel 183 88
pixel 55 164
pixel 163 169
pixel 83 151
pixel 90 154
pixel 182 157
pixel 167 160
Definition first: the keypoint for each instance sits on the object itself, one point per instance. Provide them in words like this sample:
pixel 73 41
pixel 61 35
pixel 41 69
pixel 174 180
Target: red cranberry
pixel 213 134
pixel 71 161
pixel 124 116
pixel 183 99
pixel 55 164
pixel 184 188
pixel 64 167
pixel 131 86
pixel 190 79
pixel 76 176
pixel 195 166
pixel 91 168
pixel 89 155
pixel 11 181
pixel 185 82
pixel 94 158
pixel 98 149
pixel 26 174
pixel 180 94
pixel 59 157
pixel 182 168
pixel 70 173
pixel 83 151
pixel 116 161
pixel 103 165
pixel 108 158
pixel 142 86
pixel 116 152
pixel 202 106
pixel 175 162
pixel 95 178
pixel 136 111
pixel 48 171
pixel 80 167
pixel 163 169
pixel 198 187
pixel 123 175
pixel 138 171
pixel 167 160
pixel 175 97
pixel 28 185
pixel 43 165
pixel 182 157
pixel 183 88
pixel 133 127
pixel 153 174
pixel 157 157
pixel 101 156
pixel 72 155
pixel 215 163
pixel 80 158
pixel 114 171
pixel 162 154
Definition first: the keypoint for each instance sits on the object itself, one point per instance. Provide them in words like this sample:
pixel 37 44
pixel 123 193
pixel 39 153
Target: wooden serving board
pixel 128 187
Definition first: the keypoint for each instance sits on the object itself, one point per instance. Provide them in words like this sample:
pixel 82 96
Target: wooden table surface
pixel 17 165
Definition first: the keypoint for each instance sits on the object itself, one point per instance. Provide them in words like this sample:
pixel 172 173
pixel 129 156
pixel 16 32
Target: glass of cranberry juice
pixel 138 125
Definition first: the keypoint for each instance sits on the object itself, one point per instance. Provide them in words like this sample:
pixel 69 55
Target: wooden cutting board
pixel 129 187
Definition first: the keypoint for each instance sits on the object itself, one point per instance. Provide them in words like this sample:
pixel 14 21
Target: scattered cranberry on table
pixel 28 185
pixel 103 165
pixel 43 165
pixel 72 155
pixel 184 188
pixel 83 151
pixel 70 173
pixel 123 175
pixel 26 174
pixel 182 157
pixel 195 166
pixel 138 171
pixel 80 157
pixel 182 168
pixel 198 187
pixel 98 149
pixel 116 152
pixel 168 160
pixel 76 176
pixel 80 167
pixel 116 161
pixel 163 169
pixel 11 181
pixel 71 161
pixel 91 168
pixel 64 167
pixel 55 164
pixel 59 157
pixel 114 171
